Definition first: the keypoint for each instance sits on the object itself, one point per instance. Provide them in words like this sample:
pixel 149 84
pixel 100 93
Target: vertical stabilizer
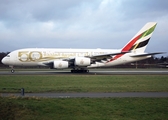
pixel 139 42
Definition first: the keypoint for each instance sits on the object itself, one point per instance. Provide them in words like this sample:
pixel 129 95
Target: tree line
pixel 151 62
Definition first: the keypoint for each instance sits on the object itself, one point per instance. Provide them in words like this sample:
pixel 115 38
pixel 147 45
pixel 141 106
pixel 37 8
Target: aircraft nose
pixel 5 61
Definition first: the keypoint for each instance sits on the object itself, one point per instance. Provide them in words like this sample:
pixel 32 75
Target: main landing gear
pixel 79 71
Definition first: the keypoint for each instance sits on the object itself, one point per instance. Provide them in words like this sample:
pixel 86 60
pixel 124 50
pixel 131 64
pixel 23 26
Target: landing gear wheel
pixel 12 70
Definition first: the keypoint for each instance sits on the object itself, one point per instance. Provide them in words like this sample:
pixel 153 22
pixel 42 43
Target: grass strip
pixel 84 83
pixel 83 108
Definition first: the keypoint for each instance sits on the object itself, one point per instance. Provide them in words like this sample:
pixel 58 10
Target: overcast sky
pixel 102 24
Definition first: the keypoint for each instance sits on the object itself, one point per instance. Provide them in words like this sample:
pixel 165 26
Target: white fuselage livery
pixel 82 59
pixel 42 56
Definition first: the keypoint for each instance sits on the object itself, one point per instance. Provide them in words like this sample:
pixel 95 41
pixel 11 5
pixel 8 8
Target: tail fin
pixel 139 42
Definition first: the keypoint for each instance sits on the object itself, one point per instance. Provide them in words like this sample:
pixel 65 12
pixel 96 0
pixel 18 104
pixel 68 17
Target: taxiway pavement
pixel 89 95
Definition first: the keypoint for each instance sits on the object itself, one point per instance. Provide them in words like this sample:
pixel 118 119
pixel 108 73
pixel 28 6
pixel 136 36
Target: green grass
pixel 34 108
pixel 84 83
pixel 83 108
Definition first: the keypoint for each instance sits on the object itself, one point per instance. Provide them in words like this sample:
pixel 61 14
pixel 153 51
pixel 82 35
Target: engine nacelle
pixel 82 61
pixel 60 64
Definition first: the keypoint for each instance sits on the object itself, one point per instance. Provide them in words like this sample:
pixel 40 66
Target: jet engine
pixel 60 64
pixel 82 61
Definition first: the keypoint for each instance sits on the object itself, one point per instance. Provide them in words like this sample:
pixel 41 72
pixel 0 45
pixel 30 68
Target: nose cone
pixel 5 61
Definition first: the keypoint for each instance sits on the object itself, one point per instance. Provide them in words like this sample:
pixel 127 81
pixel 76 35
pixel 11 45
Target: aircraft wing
pixel 104 56
pixel 94 58
pixel 146 54
pixel 97 58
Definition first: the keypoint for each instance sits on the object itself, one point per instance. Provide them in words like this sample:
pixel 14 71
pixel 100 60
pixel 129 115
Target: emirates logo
pixel 82 62
pixel 60 65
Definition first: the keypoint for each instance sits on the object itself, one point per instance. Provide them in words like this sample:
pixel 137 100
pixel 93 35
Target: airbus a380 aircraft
pixel 82 59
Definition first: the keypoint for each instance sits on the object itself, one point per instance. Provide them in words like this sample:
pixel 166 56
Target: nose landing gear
pixel 12 69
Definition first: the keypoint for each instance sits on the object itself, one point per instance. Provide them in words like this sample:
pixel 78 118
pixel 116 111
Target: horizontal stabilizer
pixel 146 54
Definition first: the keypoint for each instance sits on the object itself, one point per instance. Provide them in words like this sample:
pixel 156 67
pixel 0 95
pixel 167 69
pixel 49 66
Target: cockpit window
pixel 8 56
